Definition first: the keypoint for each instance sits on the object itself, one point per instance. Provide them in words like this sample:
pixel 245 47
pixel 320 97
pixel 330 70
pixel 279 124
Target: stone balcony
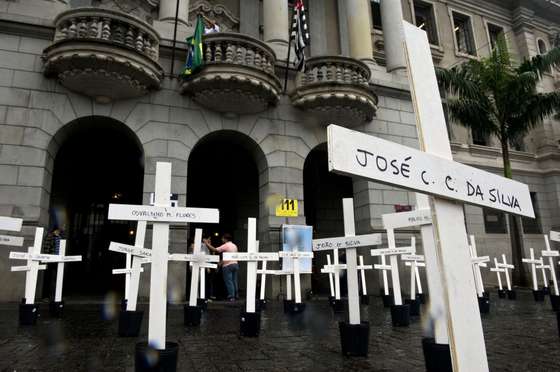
pixel 336 90
pixel 104 54
pixel 237 76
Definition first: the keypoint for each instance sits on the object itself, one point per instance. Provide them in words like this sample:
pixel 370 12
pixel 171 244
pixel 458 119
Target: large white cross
pixel 198 260
pixel 496 269
pixel 350 242
pixel 543 267
pixel 551 254
pixel 252 257
pixel 504 265
pixel 362 269
pixel 334 273
pixel 413 260
pixel 33 257
pixel 393 251
pixel 60 259
pixel 161 215
pixel 533 262
pixel 477 262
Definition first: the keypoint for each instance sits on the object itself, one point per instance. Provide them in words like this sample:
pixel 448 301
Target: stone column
pixel 167 9
pixel 249 18
pixel 359 30
pixel 317 24
pixel 276 26
pixel 392 18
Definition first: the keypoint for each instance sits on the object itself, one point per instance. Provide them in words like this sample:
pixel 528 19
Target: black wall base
pixel 354 338
pixel 400 315
pixel 56 309
pixel 436 356
pixel 414 306
pixel 338 306
pixel 511 295
pixel 192 315
pixel 364 299
pixel 538 295
pixel 202 303
pixel 388 300
pixel 28 314
pixel 130 323
pixel 250 324
pixel 555 302
pixel 501 293
pixel 148 359
pixel 484 305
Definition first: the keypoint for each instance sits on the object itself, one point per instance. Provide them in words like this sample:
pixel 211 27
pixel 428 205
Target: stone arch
pixel 91 162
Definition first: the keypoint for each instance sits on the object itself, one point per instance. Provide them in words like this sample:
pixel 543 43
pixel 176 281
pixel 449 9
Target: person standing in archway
pixel 229 268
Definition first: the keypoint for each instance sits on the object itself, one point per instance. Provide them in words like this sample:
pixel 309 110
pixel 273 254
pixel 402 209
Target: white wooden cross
pixel 161 215
pixel 543 267
pixel 60 259
pixel 33 257
pixel 362 269
pixel 533 262
pixel 384 268
pixel 252 257
pixel 11 224
pixel 496 269
pixel 264 272
pixel 504 265
pixel 295 256
pixel 551 254
pixel 393 251
pixel 477 263
pixel 414 261
pixel 350 242
pixel 334 272
pixel 203 268
pixel 198 260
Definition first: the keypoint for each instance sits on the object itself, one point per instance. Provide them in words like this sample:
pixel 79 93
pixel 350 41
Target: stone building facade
pixel 90 100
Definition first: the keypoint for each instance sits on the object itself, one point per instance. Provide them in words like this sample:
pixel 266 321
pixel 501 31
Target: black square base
pixel 364 299
pixel 545 290
pixel 414 306
pixel 388 300
pixel 436 356
pixel 558 321
pixel 28 314
pixel 400 315
pixel 511 295
pixel 202 303
pixel 123 304
pixel 250 324
pixel 484 305
pixel 192 315
pixel 260 304
pixel 555 302
pixel 501 293
pixel 56 309
pixel 338 306
pixel 296 308
pixel 148 359
pixel 486 294
pixel 288 304
pixel 354 338
pixel 130 323
pixel 538 295
pixel 421 297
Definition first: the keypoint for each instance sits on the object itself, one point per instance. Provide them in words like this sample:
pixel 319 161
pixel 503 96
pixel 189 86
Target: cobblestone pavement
pixel 520 336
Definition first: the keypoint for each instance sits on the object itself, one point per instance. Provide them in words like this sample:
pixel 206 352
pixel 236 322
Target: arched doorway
pixel 323 193
pixel 223 173
pixel 99 161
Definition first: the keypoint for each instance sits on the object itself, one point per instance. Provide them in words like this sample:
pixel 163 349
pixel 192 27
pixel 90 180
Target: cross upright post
pixel 364 299
pixel 538 295
pixel 498 270
pixel 550 254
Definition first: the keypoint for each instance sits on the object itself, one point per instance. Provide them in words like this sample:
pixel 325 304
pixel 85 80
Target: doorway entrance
pixel 99 162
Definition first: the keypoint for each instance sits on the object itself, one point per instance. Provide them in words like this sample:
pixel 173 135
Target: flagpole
pixel 174 38
pixel 287 64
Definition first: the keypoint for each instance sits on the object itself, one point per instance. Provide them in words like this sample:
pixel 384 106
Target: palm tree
pixel 497 97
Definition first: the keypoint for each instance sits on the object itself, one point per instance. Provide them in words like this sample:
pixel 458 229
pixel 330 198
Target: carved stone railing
pixel 104 54
pixel 237 75
pixel 336 89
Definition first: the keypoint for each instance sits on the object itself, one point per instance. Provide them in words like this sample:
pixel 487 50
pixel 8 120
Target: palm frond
pixel 541 63
pixel 459 81
pixel 473 114
pixel 532 112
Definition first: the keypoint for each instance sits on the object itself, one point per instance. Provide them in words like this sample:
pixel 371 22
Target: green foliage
pixel 494 96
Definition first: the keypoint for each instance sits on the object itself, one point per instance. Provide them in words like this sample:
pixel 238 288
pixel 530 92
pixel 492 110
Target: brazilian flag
pixel 194 54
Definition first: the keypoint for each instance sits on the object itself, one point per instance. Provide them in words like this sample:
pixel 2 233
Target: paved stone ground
pixel 520 335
